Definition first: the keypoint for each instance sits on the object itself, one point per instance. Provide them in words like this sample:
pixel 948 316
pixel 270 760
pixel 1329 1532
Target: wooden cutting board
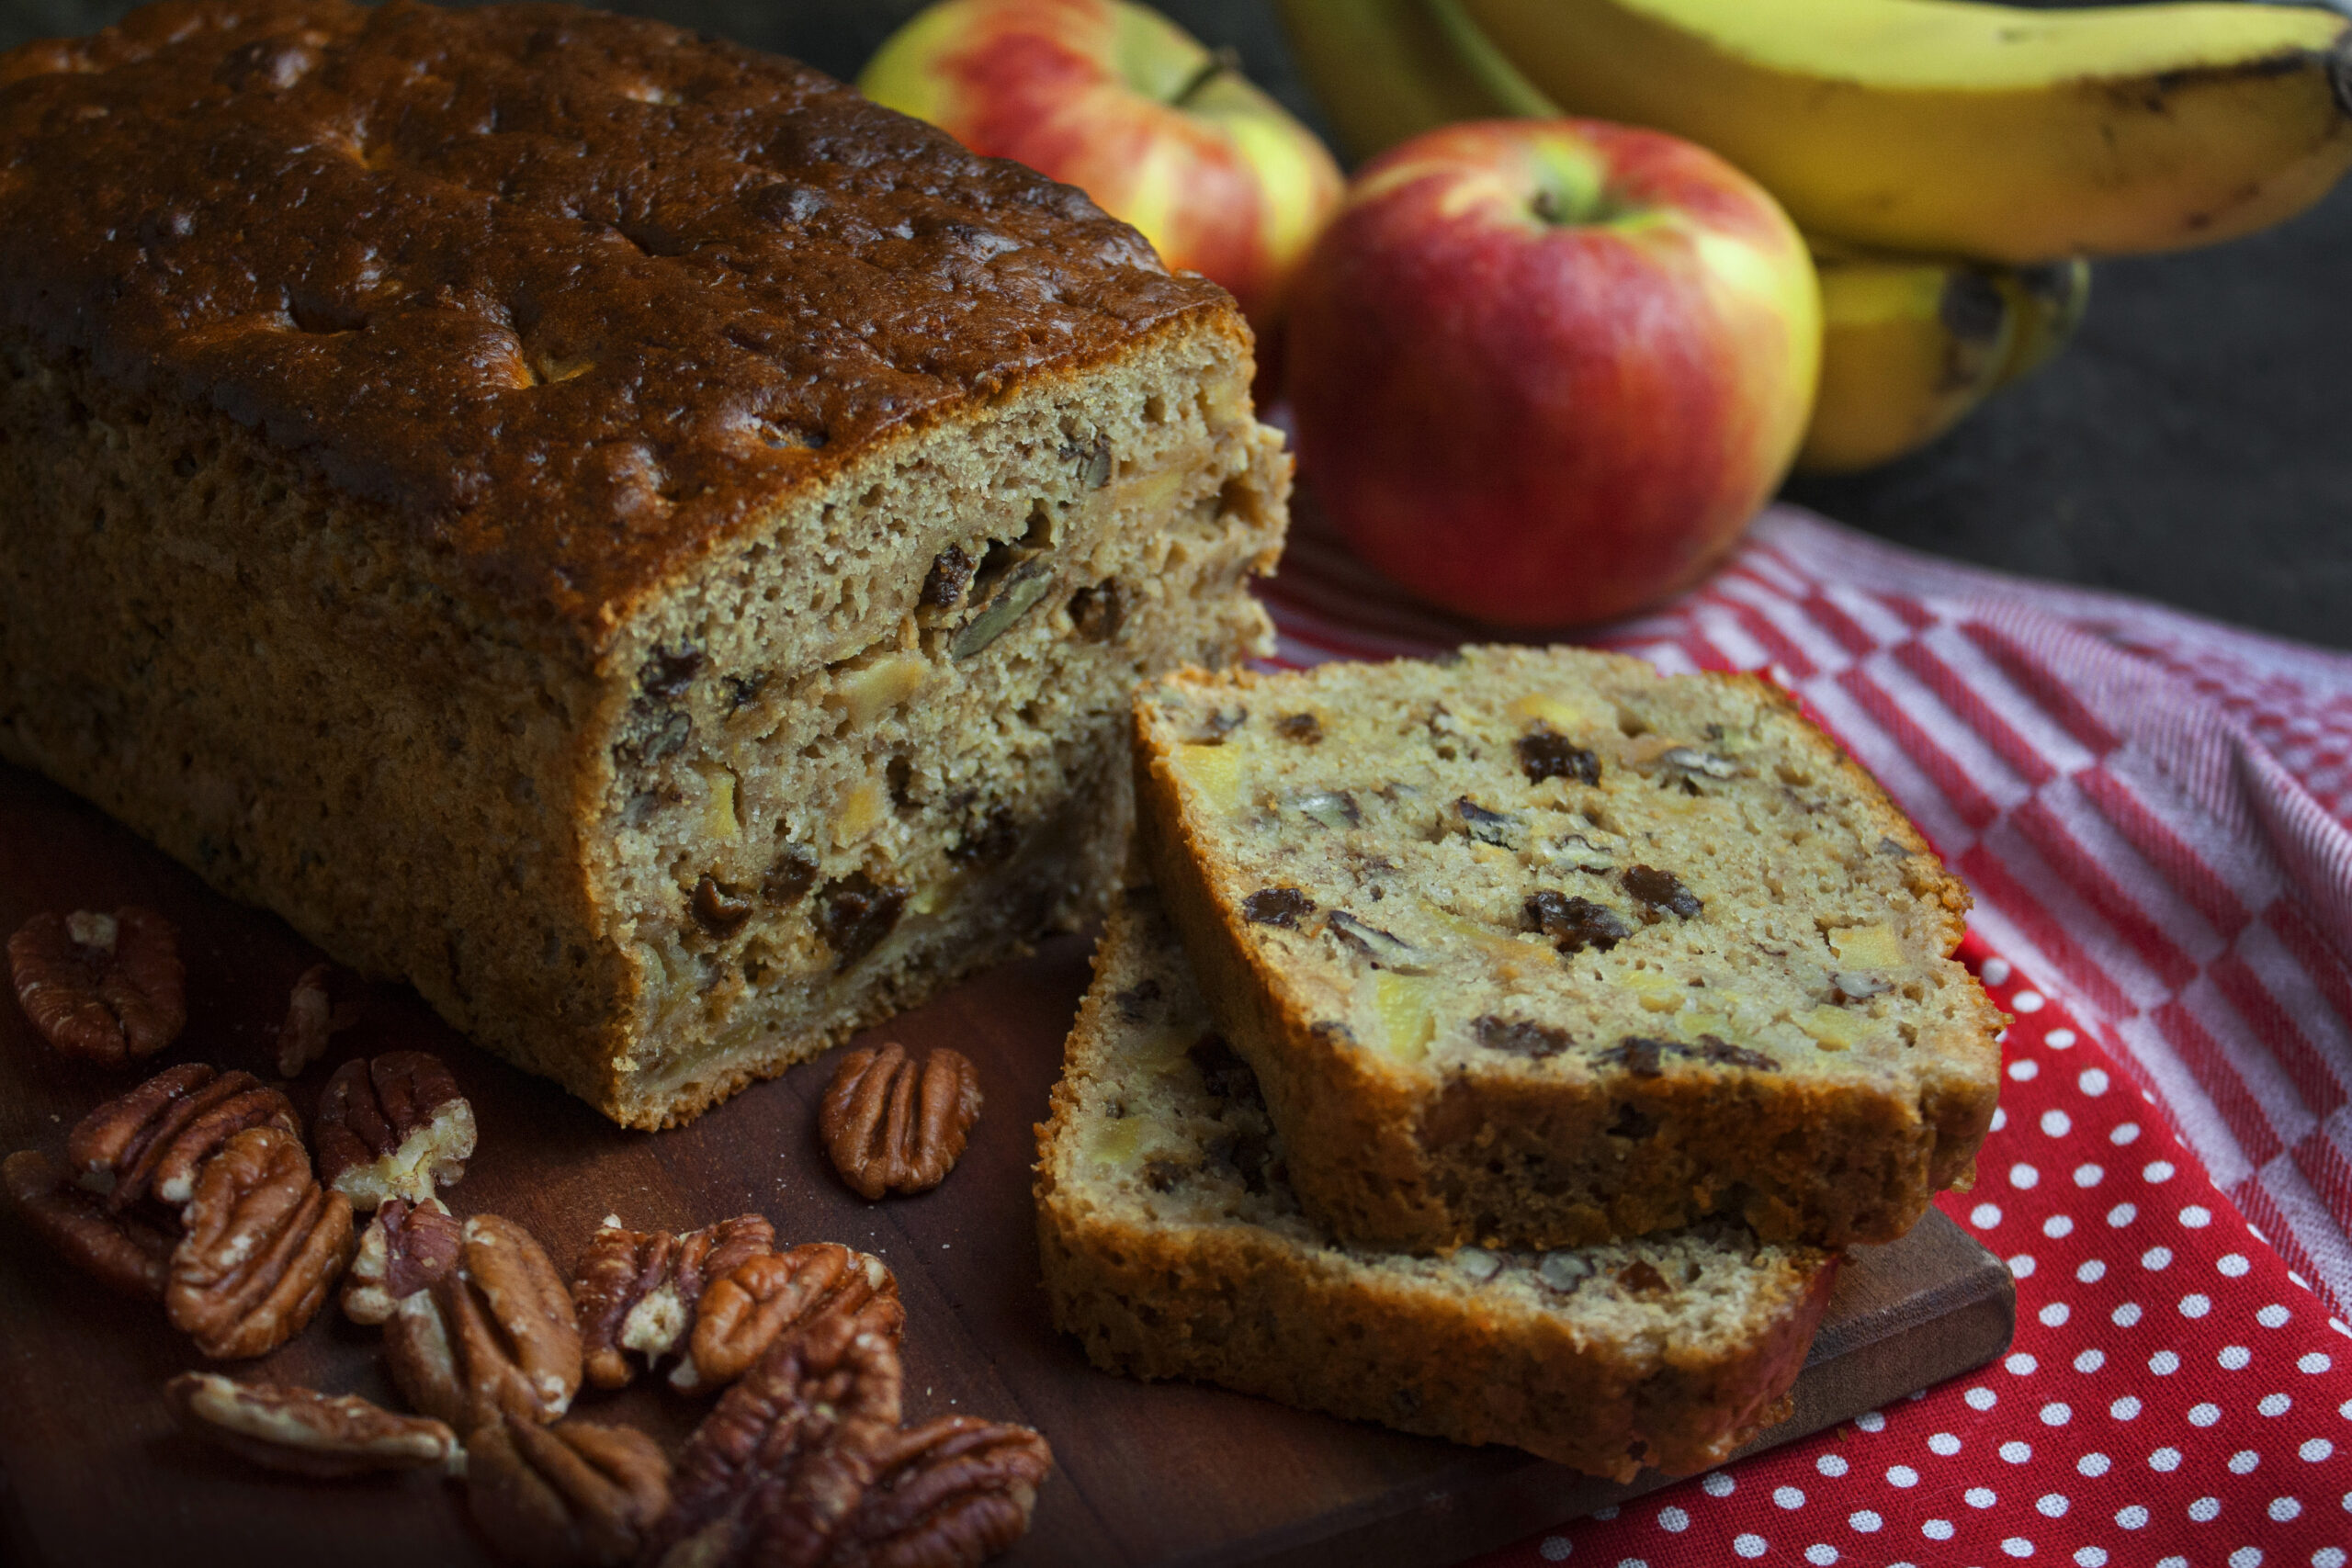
pixel 95 1472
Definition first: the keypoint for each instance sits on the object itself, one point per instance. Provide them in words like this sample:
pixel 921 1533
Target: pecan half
pixel 892 1126
pixel 103 988
pixel 120 1250
pixel 495 1333
pixel 307 1432
pixel 778 1466
pixel 638 1290
pixel 311 1019
pixel 156 1138
pixel 948 1494
pixel 745 1312
pixel 407 1247
pixel 263 1245
pixel 575 1495
pixel 393 1126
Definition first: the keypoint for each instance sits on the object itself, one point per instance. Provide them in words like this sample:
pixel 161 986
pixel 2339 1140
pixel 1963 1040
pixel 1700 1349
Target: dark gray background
pixel 2194 445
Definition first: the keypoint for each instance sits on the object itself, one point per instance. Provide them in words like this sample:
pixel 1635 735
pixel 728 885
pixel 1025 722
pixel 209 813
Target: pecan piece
pixel 892 1126
pixel 103 988
pixel 640 1290
pixel 392 1127
pixel 156 1138
pixel 307 1432
pixel 495 1333
pixel 407 1247
pixel 120 1250
pixel 263 1245
pixel 311 1019
pixel 949 1493
pixel 575 1495
pixel 744 1311
pixel 778 1466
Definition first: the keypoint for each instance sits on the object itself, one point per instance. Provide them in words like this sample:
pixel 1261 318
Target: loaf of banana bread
pixel 609 526
pixel 1540 947
pixel 1173 1247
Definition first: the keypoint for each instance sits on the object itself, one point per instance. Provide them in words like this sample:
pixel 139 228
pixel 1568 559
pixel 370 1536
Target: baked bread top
pixel 566 298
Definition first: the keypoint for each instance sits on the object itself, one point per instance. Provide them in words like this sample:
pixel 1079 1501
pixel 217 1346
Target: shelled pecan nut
pixel 574 1494
pixel 312 1020
pixel 154 1138
pixel 637 1291
pixel 745 1311
pixel 124 1251
pixel 949 1493
pixel 777 1467
pixel 309 1433
pixel 496 1334
pixel 104 988
pixel 263 1245
pixel 891 1125
pixel 392 1127
pixel 406 1249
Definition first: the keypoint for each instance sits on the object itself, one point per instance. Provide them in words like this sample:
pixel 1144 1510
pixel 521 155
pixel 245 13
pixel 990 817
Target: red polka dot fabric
pixel 2155 814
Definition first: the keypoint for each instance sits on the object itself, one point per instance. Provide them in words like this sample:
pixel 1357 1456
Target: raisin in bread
pixel 1540 947
pixel 1173 1247
pixel 610 526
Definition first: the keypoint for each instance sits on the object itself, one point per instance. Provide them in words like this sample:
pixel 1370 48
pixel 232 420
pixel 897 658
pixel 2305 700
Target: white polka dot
pixel 2125 1408
pixel 1979 1497
pixel 1996 971
pixel 2316 1450
pixel 2166 1460
pixel 1788 1496
pixel 2122 1214
pixel 2328 1557
pixel 2233 1264
pixel 1937 1530
pixel 1608 1513
pixel 1865 1520
pixel 2000 1118
pixel 1904 1475
pixel 2024 1071
pixel 1831 1465
pixel 1979 1398
pixel 1984 1216
pixel 2091 1360
pixel 1673 1518
pixel 2023 1177
pixel 2051 1505
pixel 1944 1443
pixel 2204 1414
pixel 2057 1124
pixel 2094 1464
pixel 1748 1545
pixel 2093 1081
pixel 2157 1170
pixel 1820 1555
pixel 2234 1358
pixel 2273 1316
pixel 2059 1039
pixel 2133 1518
pixel 2125 1315
pixel 2091 1270
pixel 1717 1485
pixel 2163 1363
pixel 2196 1216
pixel 2057 1413
pixel 2020 1363
pixel 2275 1405
pixel 2156 1257
pixel 2057 1225
pixel 2246 1557
pixel 2090 1557
pixel 2026 1001
pixel 2017 1546
pixel 2205 1510
pixel 2172 1562
pixel 2017 1452
pixel 2021 1265
pixel 1871 1421
pixel 2243 1461
pixel 2316 1361
pixel 2090 1175
pixel 2054 1314
pixel 2125 1133
pixel 1555 1549
pixel 2196 1304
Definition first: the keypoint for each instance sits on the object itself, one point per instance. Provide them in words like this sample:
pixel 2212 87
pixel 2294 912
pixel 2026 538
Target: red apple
pixel 1544 371
pixel 1119 101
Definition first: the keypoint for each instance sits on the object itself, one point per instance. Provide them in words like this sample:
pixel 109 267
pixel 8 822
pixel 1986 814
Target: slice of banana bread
pixel 611 526
pixel 1539 947
pixel 1173 1247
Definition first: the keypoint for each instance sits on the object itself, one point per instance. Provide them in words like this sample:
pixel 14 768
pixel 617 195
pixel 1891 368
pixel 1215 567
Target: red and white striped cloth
pixel 2154 813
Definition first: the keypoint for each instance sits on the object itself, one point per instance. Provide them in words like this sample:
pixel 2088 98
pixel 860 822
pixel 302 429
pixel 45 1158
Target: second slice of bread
pixel 1539 947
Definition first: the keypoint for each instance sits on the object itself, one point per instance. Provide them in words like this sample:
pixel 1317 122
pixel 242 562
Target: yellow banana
pixel 1386 69
pixel 2049 302
pixel 1947 127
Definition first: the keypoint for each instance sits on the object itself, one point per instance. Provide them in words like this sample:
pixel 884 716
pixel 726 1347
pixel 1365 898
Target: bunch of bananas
pixel 1952 162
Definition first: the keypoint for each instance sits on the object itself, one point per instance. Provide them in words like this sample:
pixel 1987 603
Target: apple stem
pixel 1221 60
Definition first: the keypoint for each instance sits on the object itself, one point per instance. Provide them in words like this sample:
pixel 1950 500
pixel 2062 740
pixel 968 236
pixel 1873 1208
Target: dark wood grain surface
pixel 95 1474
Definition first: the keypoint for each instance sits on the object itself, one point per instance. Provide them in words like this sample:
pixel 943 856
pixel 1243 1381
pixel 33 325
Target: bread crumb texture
pixel 1539 947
